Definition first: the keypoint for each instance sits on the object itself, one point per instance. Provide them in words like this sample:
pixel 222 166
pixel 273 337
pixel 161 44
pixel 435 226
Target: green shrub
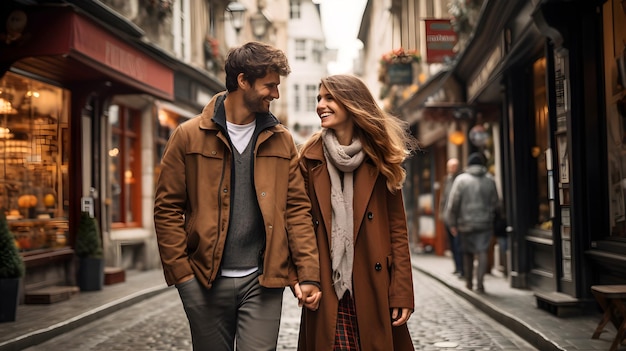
pixel 11 263
pixel 88 241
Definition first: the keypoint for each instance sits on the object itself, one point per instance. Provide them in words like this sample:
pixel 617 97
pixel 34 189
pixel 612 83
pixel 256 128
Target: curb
pixel 519 327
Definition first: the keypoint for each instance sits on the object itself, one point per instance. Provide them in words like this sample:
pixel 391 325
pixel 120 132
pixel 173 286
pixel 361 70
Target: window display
pixel 33 161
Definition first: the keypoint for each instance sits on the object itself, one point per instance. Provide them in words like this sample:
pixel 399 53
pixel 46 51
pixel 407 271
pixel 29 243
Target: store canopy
pixel 65 46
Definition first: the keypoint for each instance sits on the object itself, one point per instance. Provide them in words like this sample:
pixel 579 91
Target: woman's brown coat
pixel 382 273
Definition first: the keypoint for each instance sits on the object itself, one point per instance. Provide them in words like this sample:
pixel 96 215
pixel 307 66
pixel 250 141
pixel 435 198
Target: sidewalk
pixel 517 310
pixel 513 308
pixel 37 323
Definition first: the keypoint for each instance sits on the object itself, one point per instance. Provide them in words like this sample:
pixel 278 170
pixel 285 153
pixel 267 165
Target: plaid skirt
pixel 347 332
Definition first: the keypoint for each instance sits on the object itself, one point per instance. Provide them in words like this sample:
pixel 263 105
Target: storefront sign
pixel 440 40
pixel 117 55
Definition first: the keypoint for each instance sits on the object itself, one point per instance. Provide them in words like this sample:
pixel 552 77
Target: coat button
pixel 370 215
pixel 263 193
pixel 316 222
pixel 225 190
pixel 378 266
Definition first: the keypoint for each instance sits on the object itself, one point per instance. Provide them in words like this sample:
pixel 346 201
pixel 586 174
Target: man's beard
pixel 254 102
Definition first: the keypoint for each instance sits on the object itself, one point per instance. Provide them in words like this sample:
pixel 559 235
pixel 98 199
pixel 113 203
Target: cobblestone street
pixel 442 321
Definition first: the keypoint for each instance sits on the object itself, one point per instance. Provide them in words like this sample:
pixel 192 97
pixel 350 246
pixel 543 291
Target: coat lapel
pixel 364 180
pixel 321 184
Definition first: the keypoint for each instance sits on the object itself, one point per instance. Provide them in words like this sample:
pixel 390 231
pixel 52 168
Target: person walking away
pixel 354 176
pixel 452 169
pixel 470 212
pixel 231 213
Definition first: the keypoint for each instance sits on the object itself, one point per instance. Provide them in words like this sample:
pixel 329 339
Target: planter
pixel 9 290
pixel 90 274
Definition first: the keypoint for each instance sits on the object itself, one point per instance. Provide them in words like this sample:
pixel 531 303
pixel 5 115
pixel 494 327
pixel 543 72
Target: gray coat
pixel 472 201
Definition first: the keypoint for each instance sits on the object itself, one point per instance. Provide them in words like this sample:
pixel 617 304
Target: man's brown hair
pixel 254 60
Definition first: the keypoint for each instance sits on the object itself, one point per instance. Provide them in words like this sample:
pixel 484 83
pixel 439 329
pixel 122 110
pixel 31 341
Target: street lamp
pixel 237 11
pixel 259 24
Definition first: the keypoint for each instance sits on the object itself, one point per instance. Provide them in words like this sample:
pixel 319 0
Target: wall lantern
pixel 237 11
pixel 457 138
pixel 479 136
pixel 259 24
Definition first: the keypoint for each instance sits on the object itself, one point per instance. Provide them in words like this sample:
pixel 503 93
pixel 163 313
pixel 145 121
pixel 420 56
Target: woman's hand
pixel 310 297
pixel 400 316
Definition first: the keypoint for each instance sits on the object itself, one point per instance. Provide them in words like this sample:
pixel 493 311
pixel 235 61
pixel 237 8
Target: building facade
pixel 539 87
pixel 308 61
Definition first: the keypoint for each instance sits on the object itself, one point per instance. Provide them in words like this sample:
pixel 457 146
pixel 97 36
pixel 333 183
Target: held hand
pixel 453 231
pixel 310 296
pixel 400 316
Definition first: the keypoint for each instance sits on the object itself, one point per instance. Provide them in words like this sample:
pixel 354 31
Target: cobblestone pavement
pixel 442 321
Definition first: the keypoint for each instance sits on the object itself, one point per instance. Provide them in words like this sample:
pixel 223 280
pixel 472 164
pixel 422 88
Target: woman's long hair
pixel 385 138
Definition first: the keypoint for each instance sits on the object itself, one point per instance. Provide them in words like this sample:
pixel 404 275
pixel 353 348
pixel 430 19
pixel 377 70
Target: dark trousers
pixel 234 311
pixel 455 248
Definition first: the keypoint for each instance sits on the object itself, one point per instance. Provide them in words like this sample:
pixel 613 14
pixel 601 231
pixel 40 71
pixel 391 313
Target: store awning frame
pixel 61 36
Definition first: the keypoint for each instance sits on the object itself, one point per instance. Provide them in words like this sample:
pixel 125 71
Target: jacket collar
pixel 214 115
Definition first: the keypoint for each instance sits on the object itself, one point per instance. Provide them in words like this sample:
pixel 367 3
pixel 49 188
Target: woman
pixel 353 173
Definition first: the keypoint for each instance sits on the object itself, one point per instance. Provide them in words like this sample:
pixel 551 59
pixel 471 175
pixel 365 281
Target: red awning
pixel 65 46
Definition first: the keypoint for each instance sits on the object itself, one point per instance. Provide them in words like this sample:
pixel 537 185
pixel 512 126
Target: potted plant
pixel 11 271
pixel 89 251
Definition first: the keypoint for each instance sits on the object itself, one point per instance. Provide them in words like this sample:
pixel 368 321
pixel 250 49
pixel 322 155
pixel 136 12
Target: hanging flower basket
pixel 396 66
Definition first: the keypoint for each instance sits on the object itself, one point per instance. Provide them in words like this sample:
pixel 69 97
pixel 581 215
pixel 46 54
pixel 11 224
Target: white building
pixel 307 57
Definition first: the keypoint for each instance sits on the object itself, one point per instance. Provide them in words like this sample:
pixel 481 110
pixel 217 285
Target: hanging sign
pixel 440 40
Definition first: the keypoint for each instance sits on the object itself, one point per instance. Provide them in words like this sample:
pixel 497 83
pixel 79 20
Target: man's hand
pixel 308 295
pixel 453 231
pixel 400 316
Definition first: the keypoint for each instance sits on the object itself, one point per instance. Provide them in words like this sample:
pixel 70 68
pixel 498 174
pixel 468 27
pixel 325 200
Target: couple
pixel 239 215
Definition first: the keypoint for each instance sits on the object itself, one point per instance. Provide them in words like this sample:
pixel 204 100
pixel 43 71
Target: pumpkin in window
pixel 27 201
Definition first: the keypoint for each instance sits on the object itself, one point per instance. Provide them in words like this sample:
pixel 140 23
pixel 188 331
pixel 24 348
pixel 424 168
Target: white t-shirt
pixel 240 134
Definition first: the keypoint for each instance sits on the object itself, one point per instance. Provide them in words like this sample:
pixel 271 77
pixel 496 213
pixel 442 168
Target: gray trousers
pixel 235 311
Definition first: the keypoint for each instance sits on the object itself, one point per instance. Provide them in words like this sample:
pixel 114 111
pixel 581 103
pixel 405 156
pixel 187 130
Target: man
pixel 231 213
pixel 470 211
pixel 452 169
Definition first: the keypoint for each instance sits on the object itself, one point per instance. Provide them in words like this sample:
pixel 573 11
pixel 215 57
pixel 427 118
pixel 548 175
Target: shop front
pixel 75 98
pixel 544 66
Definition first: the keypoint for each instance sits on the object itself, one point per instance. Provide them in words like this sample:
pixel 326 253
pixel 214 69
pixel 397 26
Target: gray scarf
pixel 342 159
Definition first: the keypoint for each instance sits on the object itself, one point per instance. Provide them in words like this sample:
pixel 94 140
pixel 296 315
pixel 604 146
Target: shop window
pixel 124 166
pixel 425 204
pixel 541 144
pixel 34 149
